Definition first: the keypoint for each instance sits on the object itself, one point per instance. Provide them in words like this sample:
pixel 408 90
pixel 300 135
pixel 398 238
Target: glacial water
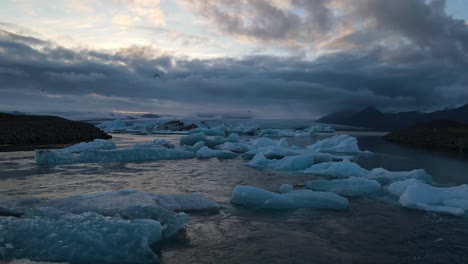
pixel 374 230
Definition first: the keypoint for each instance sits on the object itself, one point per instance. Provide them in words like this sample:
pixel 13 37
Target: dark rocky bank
pixel 22 131
pixel 439 134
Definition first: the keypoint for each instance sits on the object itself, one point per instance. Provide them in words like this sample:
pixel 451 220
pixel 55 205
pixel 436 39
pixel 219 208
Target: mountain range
pixel 373 118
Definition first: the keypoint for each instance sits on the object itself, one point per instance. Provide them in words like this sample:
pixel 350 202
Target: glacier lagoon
pixel 373 230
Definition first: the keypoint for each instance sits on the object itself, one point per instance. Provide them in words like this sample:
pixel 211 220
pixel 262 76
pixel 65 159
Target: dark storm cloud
pixel 417 73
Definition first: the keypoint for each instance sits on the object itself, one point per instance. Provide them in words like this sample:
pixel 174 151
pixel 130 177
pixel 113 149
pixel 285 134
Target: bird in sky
pixel 156 75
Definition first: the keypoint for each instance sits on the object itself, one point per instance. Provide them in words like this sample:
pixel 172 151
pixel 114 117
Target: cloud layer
pixel 397 55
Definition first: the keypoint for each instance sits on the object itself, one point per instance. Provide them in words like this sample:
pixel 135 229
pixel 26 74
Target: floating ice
pixel 259 198
pixel 111 203
pixel 343 169
pixel 384 176
pixel 417 195
pixel 206 153
pixel 285 188
pixel 214 131
pixel 268 142
pixel 97 144
pixel 282 133
pixel 352 187
pixel 320 129
pixel 293 163
pixel 273 152
pixel 114 126
pixel 233 137
pixel 50 235
pixel 157 143
pixel 235 147
pixel 56 157
pixel 194 138
pixel 191 139
pixel 346 169
pixel 337 143
pixel 248 128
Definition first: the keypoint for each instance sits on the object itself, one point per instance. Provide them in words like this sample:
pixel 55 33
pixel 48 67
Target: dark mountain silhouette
pixel 437 134
pixel 373 118
pixel 30 131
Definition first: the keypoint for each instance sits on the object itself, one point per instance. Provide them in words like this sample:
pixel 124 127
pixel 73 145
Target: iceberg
pixel 337 143
pixel 114 126
pixel 346 169
pixel 56 157
pixel 157 143
pixel 259 198
pixel 319 129
pixel 342 169
pixel 351 187
pixel 384 176
pixel 235 147
pixel 194 138
pixel 292 163
pixel 417 195
pixel 47 234
pixel 268 142
pixel 285 188
pixel 272 152
pixel 214 131
pixel 282 133
pixel 97 144
pixel 233 137
pixel 206 153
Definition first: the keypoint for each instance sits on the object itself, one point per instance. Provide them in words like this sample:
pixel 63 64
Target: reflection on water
pixel 369 232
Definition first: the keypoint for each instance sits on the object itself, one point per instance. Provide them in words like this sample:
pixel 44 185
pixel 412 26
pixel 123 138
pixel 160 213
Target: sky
pixel 257 58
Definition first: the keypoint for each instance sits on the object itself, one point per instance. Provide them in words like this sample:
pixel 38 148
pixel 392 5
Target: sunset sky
pixel 279 58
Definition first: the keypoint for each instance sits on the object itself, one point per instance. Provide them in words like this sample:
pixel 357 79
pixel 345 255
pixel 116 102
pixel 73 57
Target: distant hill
pixel 30 130
pixel 439 134
pixel 372 118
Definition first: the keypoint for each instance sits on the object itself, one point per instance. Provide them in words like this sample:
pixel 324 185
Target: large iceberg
pixel 113 126
pixel 417 195
pixel 111 203
pixel 319 129
pixel 342 169
pixel 352 187
pixel 47 234
pixel 293 163
pixel 206 153
pixel 346 169
pixel 259 198
pixel 56 157
pixel 109 227
pixel 194 138
pixel 337 143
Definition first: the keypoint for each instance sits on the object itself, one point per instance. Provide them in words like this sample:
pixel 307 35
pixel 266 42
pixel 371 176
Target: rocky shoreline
pixel 23 132
pixel 439 134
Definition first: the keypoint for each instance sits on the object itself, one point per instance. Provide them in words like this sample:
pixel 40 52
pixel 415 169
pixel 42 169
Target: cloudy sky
pixel 265 58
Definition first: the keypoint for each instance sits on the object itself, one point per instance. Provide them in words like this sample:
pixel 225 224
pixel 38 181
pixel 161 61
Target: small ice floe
pixel 351 187
pixel 259 198
pixel 346 169
pixel 206 153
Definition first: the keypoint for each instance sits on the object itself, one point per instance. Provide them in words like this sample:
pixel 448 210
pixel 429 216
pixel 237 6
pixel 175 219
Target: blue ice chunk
pixel 47 234
pixel 352 187
pixel 259 198
pixel 56 157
